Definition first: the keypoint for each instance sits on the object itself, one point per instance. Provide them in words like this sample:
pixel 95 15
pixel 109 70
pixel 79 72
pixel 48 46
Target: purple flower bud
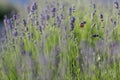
pixel 42 17
pixel 116 5
pixel 10 27
pixel 73 8
pixel 23 52
pixel 72 19
pixel 8 21
pixel 22 45
pixel 70 11
pixel 14 17
pixel 37 23
pixel 72 23
pixel 54 10
pixel 15 33
pixel 101 16
pixel 34 6
pixel 94 6
pixel 40 29
pixel 24 22
pixel 57 18
pixel 72 26
pixel 62 17
pixel 111 20
pixel 48 17
pixel 9 24
pixel 115 23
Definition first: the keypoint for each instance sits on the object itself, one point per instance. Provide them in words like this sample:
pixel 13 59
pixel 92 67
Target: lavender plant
pixel 59 41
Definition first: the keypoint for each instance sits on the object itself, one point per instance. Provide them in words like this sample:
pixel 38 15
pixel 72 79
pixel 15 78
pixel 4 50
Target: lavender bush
pixel 77 40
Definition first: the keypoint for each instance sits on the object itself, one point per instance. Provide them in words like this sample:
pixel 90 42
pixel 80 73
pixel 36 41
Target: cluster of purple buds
pixel 53 12
pixel 22 46
pixel 71 10
pixel 34 6
pixel 42 19
pixel 58 20
pixel 116 5
pixel 24 22
pixel 15 33
pixel 94 6
pixel 93 14
pixel 47 17
pixel 72 23
pixel 113 22
pixel 101 17
pixel 9 24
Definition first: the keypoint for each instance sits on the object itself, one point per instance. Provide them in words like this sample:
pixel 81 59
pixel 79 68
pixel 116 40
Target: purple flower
pixel 42 19
pixel 15 33
pixel 62 17
pixel 114 47
pixel 111 20
pixel 9 24
pixel 34 6
pixel 47 17
pixel 73 8
pixel 101 16
pixel 8 21
pixel 93 13
pixel 72 23
pixel 40 29
pixel 24 22
pixel 72 19
pixel 70 11
pixel 94 6
pixel 116 5
pixel 57 18
pixel 23 52
pixel 14 17
pixel 54 10
pixel 115 23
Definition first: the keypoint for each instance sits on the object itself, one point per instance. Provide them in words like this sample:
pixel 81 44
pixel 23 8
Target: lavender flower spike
pixel 116 5
pixel 24 22
pixel 72 23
